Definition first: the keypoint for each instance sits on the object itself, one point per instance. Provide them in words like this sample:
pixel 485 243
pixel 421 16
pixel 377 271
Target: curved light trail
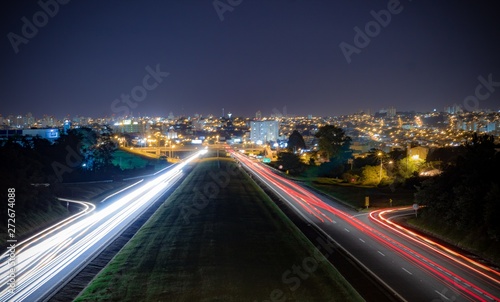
pixel 459 258
pixel 433 268
pixel 48 258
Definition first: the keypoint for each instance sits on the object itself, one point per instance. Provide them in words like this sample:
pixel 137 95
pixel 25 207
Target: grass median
pixel 218 237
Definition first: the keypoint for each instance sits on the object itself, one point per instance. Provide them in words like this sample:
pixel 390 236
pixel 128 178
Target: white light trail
pixel 47 258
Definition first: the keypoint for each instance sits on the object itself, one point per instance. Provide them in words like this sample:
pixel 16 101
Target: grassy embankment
pixel 238 246
pixel 354 195
pixel 28 223
pixel 475 241
pixel 48 213
pixel 126 159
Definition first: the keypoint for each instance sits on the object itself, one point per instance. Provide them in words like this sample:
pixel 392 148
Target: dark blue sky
pixel 263 56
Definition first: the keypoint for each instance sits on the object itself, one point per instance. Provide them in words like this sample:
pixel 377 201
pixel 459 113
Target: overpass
pixel 176 152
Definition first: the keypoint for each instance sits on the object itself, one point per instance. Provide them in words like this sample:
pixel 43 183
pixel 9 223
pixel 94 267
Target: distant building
pixel 359 147
pixel 127 126
pixel 47 133
pixel 264 131
pixel 453 109
pixel 50 133
pixel 171 134
pixel 490 127
pixel 391 112
pixel 66 126
pixel 418 152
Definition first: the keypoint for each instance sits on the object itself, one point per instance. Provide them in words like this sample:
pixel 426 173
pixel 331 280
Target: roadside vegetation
pixel 354 195
pixel 463 203
pixel 462 200
pixel 40 171
pixel 218 237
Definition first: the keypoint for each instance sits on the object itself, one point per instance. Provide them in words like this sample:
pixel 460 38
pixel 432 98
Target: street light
pixel 380 173
pixel 380 154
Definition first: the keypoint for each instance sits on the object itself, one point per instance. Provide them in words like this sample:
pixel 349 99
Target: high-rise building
pixel 66 126
pixel 453 109
pixel 391 112
pixel 490 127
pixel 264 131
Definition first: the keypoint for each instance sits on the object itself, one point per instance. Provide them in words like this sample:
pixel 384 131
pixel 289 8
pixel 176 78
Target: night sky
pixel 264 55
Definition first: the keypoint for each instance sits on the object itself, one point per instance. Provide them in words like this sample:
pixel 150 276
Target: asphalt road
pixel 410 270
pixel 47 259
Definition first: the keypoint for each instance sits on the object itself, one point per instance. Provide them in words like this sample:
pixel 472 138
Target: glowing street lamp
pixel 380 154
pixel 380 173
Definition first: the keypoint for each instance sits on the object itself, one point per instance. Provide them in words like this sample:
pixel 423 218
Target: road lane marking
pixel 359 215
pixel 361 240
pixel 347 230
pixel 442 295
pixel 381 253
pixel 333 221
pixel 407 271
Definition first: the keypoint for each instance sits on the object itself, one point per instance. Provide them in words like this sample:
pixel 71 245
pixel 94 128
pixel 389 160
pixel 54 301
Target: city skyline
pixel 310 57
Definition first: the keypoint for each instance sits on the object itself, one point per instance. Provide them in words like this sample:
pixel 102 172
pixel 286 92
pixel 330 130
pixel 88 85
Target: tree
pixel 466 195
pixel 370 175
pixel 291 162
pixel 333 142
pixel 407 167
pixel 295 142
pixel 103 151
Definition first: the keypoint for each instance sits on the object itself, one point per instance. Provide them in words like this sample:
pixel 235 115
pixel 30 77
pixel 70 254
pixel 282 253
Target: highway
pixel 411 268
pixel 45 260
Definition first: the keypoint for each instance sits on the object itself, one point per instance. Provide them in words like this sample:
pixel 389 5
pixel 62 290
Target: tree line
pixel 466 196
pixel 33 166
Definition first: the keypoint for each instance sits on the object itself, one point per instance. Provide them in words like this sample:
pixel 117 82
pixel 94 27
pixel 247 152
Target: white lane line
pixel 347 230
pixel 333 221
pixel 361 240
pixel 407 271
pixel 362 214
pixel 381 253
pixel 442 295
